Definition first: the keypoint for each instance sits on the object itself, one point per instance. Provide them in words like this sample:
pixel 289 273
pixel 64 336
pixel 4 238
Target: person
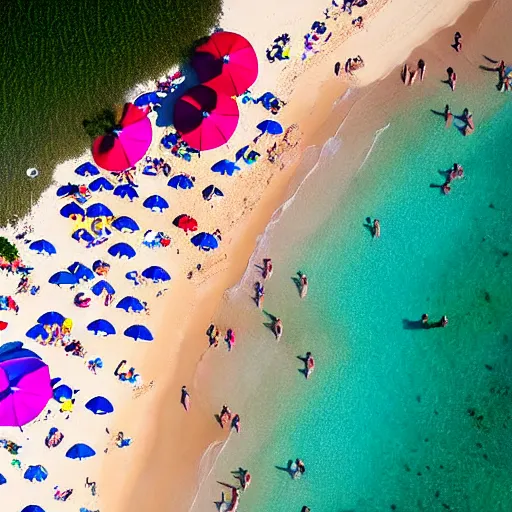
pixel 337 68
pixel 457 45
pixel 303 285
pixel 358 22
pixel 235 423
pixel 446 188
pixel 300 468
pixel 185 398
pixel 268 268
pixel 278 328
pixel 230 339
pixel 444 321
pixel 406 74
pixel 423 69
pixel 122 441
pixel 424 319
pixel 501 70
pixel 452 79
pixel 310 365
pixel 260 295
pixel 468 119
pixel 225 415
pixel 246 480
pixel 376 228
pixel 305 509
pixel 448 116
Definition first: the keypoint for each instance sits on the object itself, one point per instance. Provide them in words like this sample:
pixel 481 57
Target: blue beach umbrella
pixel 126 191
pixel 15 350
pixel 139 333
pixel 62 393
pixel 3 480
pixel 80 271
pixel 32 508
pixel 63 277
pixel 99 405
pixel 180 181
pixel 102 285
pixel 71 209
pixel 205 241
pixel 156 273
pixel 212 191
pixel 37 473
pixel 125 224
pixel 98 210
pixel 149 98
pixel 37 331
pixel 130 303
pixel 87 169
pixel 100 184
pixel 43 247
pixel 101 327
pixel 67 190
pixel 121 250
pixel 51 318
pixel 155 203
pixel 82 234
pixel 241 152
pixel 80 451
pixel 271 127
pixel 225 167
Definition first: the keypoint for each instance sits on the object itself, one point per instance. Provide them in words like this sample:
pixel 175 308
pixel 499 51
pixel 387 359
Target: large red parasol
pixel 205 119
pixel 125 145
pixel 227 63
pixel 186 223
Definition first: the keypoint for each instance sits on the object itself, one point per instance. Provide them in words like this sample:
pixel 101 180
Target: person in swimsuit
pixel 303 285
pixel 260 295
pixel 376 228
pixel 310 365
pixel 457 44
pixel 278 328
pixel 267 271
pixel 225 415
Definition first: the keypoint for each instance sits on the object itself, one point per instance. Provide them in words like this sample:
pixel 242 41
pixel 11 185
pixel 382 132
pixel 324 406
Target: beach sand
pixel 159 471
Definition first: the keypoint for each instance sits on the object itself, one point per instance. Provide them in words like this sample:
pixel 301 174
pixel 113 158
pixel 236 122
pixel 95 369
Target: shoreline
pixel 255 226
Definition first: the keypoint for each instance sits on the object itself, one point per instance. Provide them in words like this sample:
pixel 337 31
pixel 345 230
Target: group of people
pixel 457 172
pixel 409 76
pixel 279 49
pixel 226 417
pixel 214 335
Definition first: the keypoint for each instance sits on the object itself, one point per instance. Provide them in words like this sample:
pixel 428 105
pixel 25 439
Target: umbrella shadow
pixel 287 469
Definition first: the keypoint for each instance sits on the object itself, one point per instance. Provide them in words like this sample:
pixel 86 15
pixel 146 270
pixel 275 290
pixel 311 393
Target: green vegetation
pixel 100 124
pixel 8 250
pixel 63 62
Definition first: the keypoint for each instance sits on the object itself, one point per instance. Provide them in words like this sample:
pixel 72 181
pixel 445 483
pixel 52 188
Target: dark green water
pixel 64 61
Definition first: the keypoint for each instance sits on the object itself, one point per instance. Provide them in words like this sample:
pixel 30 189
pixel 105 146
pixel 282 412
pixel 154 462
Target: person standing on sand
pixel 185 398
pixel 278 328
pixel 260 295
pixel 457 44
pixel 268 268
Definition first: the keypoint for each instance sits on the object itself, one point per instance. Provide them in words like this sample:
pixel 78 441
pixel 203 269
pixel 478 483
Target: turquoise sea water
pixel 394 415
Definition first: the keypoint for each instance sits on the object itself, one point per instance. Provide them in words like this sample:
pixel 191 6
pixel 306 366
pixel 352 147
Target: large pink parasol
pixel 24 390
pixel 205 119
pixel 126 144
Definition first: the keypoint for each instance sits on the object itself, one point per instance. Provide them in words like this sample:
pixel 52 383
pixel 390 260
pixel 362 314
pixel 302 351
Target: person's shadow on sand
pixel 270 316
pixel 287 469
pixel 297 281
pixel 303 371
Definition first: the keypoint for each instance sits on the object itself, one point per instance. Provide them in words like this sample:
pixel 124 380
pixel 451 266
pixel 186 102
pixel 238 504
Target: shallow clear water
pixel 384 419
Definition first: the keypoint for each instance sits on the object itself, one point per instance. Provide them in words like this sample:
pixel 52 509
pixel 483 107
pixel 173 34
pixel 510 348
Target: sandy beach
pixel 160 469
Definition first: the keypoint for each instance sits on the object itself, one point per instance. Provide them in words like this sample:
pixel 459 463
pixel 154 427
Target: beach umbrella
pixel 101 286
pixel 42 247
pixel 80 451
pixel 155 203
pixel 37 473
pixel 124 146
pixel 101 328
pixel 205 119
pixel 139 333
pixel 212 191
pixel 15 350
pixel 205 241
pixel 156 273
pixel 71 209
pixel 3 325
pixel 185 222
pixel 226 62
pixel 51 318
pixel 122 249
pixel 67 190
pixel 32 508
pixel 181 181
pixel 63 277
pixel 37 331
pixel 271 127
pixel 24 390
pixel 98 210
pixel 149 98
pixel 126 190
pixel 80 271
pixel 87 169
pixel 82 234
pixel 241 152
pixel 100 184
pixel 225 167
pixel 62 393
pixel 125 224
pixel 130 303
pixel 3 480
pixel 99 405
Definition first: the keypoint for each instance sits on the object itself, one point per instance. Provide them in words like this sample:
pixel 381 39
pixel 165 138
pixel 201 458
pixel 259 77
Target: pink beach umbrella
pixel 124 146
pixel 24 390
pixel 204 118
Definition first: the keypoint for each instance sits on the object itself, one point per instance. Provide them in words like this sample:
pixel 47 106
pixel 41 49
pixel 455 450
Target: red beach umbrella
pixel 3 326
pixel 127 143
pixel 205 119
pixel 227 63
pixel 186 223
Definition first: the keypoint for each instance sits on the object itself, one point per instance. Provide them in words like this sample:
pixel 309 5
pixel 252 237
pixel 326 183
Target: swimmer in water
pixel 310 365
pixel 448 116
pixel 278 328
pixel 446 188
pixel 424 320
pixel 376 228
pixel 303 285
pixel 300 468
pixel 444 321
